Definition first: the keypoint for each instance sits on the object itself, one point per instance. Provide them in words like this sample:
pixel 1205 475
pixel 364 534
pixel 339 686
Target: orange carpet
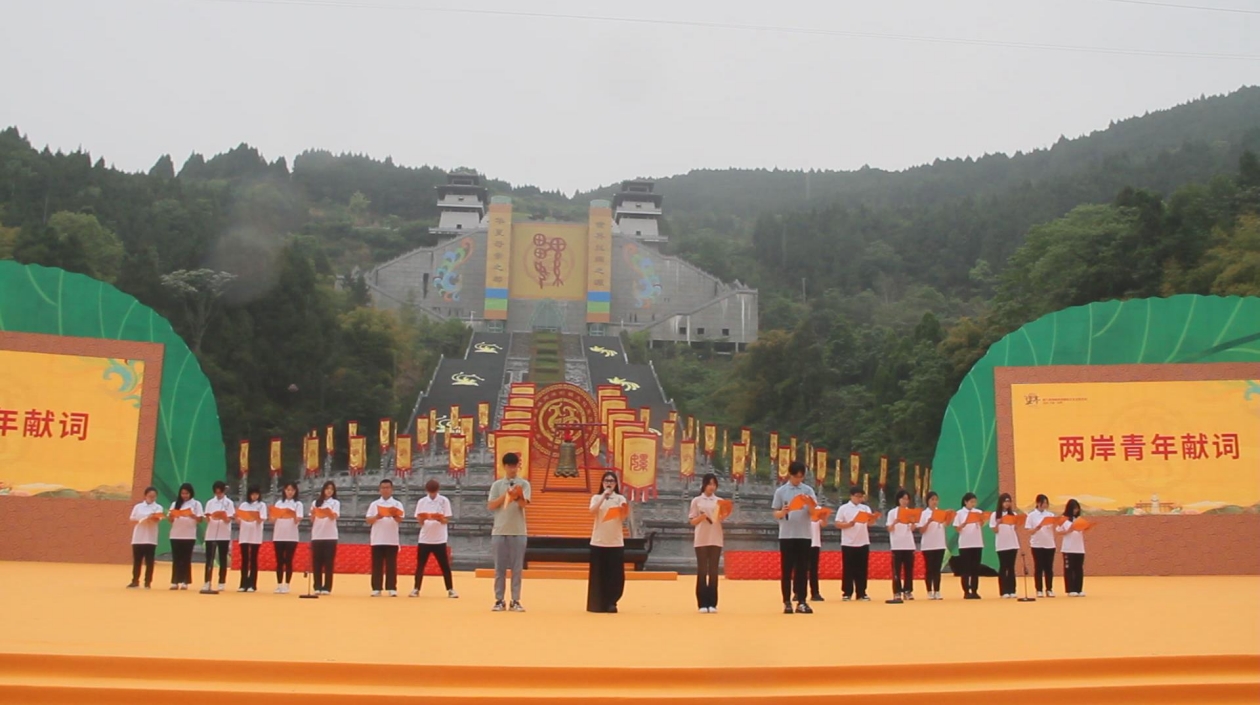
pixel 72 634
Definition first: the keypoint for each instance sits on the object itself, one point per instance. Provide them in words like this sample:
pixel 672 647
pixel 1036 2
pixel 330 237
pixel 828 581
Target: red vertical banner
pixel 358 454
pixel 243 459
pixel 276 466
pixel 402 462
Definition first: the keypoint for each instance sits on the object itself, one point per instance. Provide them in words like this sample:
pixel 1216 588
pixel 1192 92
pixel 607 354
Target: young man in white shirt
pixel 1042 544
pixel 384 539
pixel 508 498
pixel 794 538
pixel 219 510
pixel 433 511
pixel 855 545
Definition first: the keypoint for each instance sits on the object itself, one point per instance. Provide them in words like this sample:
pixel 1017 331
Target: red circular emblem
pixel 558 404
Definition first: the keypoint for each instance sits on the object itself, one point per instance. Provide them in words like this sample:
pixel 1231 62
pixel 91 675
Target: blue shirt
pixel 796 524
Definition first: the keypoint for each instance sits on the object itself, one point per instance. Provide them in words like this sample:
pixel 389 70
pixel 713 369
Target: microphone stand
pixel 312 596
pixel 1023 559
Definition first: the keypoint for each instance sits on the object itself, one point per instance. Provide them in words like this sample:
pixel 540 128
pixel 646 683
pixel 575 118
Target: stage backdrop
pixel 1146 411
pixel 98 399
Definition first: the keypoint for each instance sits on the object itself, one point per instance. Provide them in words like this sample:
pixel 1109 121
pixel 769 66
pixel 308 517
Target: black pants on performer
pixel 181 560
pixel 323 558
pixel 1043 568
pixel 249 566
pixel 1006 571
pixel 384 568
pixel 903 571
pixel 794 568
pixel 606 581
pixel 1074 572
pixel 856 561
pixel 285 550
pixel 142 553
pixel 224 550
pixel 707 558
pixel 969 566
pixel 932 560
pixel 438 551
pixel 815 556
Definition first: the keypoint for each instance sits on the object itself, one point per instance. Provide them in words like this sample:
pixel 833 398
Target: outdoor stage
pixel 72 634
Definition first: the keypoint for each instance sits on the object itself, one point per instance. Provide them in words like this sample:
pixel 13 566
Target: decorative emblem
pixel 625 384
pixel 492 348
pixel 463 379
pixel 601 350
pixel 558 404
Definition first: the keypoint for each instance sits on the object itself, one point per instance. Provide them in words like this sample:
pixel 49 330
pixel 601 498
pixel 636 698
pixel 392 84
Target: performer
pixel 901 536
pixel 704 515
pixel 251 536
pixel 970 546
pixel 1007 546
pixel 855 544
pixel 932 544
pixel 607 578
pixel 815 557
pixel 219 511
pixel 184 536
pixel 1073 549
pixel 284 535
pixel 508 497
pixel 324 514
pixel 384 515
pixel 433 511
pixel 794 537
pixel 1042 544
pixel 144 537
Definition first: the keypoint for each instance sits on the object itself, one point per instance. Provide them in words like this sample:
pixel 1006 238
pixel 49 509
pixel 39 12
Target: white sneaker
pixel 376 593
pixel 1072 594
pixel 279 590
pixel 206 588
pixel 1080 594
pixel 712 610
pixel 393 593
pixel 222 587
pixel 414 593
pixel 452 594
pixel 1040 594
pixel 242 589
pixel 183 586
pixel 252 590
pixel 704 610
pixel 1049 593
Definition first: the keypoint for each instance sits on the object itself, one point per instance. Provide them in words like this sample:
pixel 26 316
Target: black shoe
pixel 971 596
pixel 817 598
pixel 611 610
pixel 132 585
pixel 864 598
pixel 787 608
pixel 803 608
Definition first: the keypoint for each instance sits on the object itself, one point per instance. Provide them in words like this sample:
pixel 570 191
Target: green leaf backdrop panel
pixel 1180 329
pixel 189 447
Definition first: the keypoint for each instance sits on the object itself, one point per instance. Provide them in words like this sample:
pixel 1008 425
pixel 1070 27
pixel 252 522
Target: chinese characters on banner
pixel 45 424
pixel 310 450
pixel 785 459
pixel 739 461
pixel 820 466
pixel 638 473
pixel 483 415
pixel 328 440
pixel 667 437
pixel 243 459
pixel 276 467
pixel 458 458
pixel 386 426
pixel 358 454
pixel 402 463
pixel 687 459
pixel 1135 446
pixel 498 261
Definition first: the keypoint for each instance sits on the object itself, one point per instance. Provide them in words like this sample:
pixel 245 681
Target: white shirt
pixel 433 531
pixel 707 533
pixel 186 527
pixel 855 535
pixel 815 534
pixel 1007 539
pixel 969 536
pixel 900 535
pixel 607 534
pixel 932 532
pixel 385 530
pixel 287 529
pixel 322 528
pixel 252 531
pixel 1073 541
pixel 217 530
pixel 146 532
pixel 1043 537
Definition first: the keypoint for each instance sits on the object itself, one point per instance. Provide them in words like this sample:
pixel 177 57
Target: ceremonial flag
pixel 458 458
pixel 883 471
pixel 358 454
pixel 483 415
pixel 352 428
pixel 402 462
pixel 855 468
pixel 638 472
pixel 243 459
pixel 386 427
pixel 820 466
pixel 687 458
pixel 785 460
pixel 774 446
pixel 311 451
pixel 739 460
pixel 328 439
pixel 276 466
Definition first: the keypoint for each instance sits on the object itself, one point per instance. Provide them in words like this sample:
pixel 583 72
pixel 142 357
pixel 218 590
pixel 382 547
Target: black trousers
pixel 438 551
pixel 793 568
pixel 384 568
pixel 932 560
pixel 969 564
pixel 606 581
pixel 323 558
pixel 1074 572
pixel 181 560
pixel 1043 568
pixel 142 553
pixel 815 555
pixel 285 550
pixel 856 561
pixel 249 565
pixel 224 551
pixel 1006 571
pixel 707 558
pixel 903 570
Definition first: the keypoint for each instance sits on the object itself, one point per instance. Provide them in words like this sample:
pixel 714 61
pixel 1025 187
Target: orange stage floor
pixel 71 633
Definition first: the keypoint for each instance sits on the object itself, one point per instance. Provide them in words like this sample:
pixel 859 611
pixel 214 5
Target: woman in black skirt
pixel 608 547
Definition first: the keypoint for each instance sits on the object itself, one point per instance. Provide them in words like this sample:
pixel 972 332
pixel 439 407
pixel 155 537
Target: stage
pixel 73 634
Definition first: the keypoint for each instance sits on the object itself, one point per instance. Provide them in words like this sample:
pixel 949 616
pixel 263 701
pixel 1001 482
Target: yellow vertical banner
pixel 511 442
pixel 458 460
pixel 358 454
pixel 774 446
pixel 614 416
pixel 726 443
pixel 710 439
pixel 901 475
pixel 927 481
pixel 483 415
pixel 855 468
pixel 386 426
pixel 498 258
pixel 752 458
pixel 691 428
pixel 452 419
pixel 402 462
pixel 645 415
pixel 687 458
pixel 621 426
pixel 883 471
pixel 745 436
pixel 785 460
pixel 243 459
pixel 352 429
pixel 329 436
pixel 809 453
pixel 599 263
pixel 667 438
pixel 466 428
pixel 275 466
pixel 839 475
pixel 609 405
pixel 918 480
pixel 422 431
pixel 739 461
pixel 433 423
pixel 490 441
pixel 311 452
pixel 820 466
pixel 793 447
pixel 638 472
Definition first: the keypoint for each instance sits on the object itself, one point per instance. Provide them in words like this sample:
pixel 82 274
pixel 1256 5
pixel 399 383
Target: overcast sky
pixel 570 102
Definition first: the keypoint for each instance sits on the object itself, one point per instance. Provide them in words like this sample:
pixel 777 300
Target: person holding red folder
pixel 144 537
pixel 852 519
pixel 1007 546
pixel 186 514
pixel 1042 544
pixel 384 515
pixel 433 511
pixel 325 511
pixel 284 534
pixel 606 580
pixel 1072 529
pixel 901 538
pixel 970 546
pixel 250 517
pixel 791 504
pixel 705 514
pixel 932 544
pixel 219 512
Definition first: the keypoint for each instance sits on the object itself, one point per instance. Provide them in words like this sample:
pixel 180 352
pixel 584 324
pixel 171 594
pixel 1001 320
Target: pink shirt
pixel 708 533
